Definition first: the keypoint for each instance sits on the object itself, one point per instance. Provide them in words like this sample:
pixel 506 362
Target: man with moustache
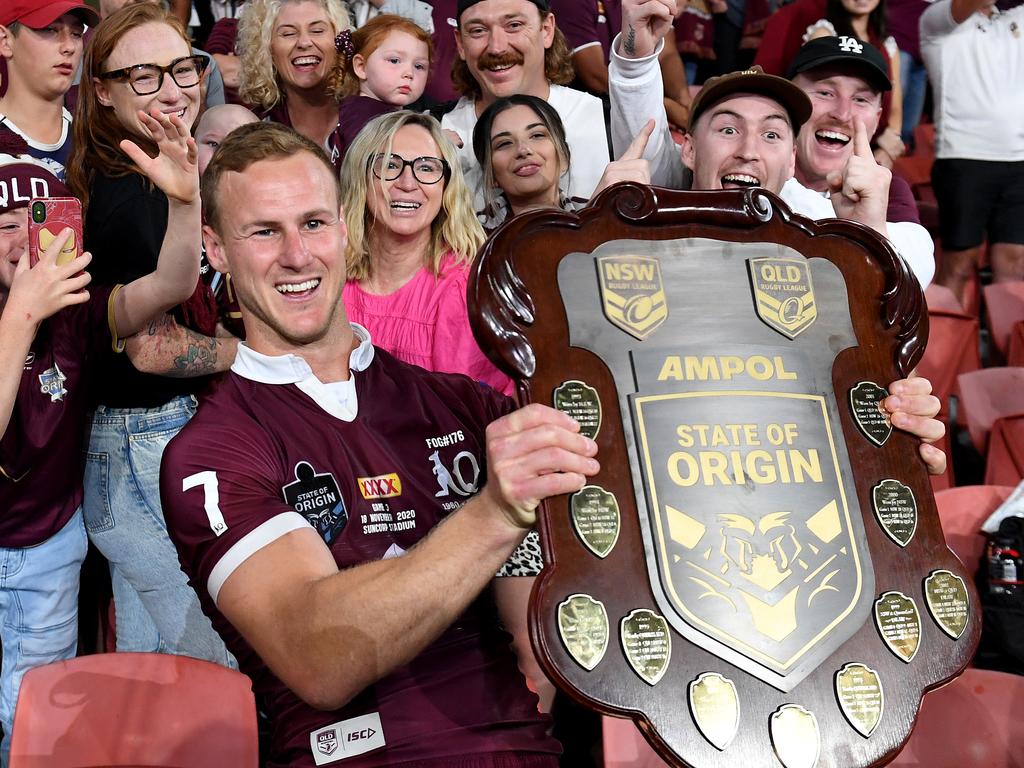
pixel 513 46
pixel 635 91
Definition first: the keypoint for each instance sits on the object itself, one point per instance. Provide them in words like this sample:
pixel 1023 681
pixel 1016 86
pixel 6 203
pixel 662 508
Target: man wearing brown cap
pixel 41 43
pixel 635 95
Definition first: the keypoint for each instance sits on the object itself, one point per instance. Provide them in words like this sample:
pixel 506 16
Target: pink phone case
pixel 47 218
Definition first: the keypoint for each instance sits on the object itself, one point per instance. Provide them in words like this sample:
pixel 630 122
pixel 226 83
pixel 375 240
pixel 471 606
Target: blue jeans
pixel 38 611
pixel 914 79
pixel 156 608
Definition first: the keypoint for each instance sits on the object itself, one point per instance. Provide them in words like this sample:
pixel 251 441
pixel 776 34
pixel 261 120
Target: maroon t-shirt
pixel 589 21
pixel 902 206
pixel 279 114
pixel 42 452
pixel 372 487
pixel 354 112
pixel 439 85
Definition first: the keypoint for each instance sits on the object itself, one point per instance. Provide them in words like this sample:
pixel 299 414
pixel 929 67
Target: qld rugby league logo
pixel 632 293
pixel 783 294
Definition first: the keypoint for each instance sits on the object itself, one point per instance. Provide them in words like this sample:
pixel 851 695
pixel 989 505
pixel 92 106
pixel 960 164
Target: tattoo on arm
pixel 629 44
pixel 199 358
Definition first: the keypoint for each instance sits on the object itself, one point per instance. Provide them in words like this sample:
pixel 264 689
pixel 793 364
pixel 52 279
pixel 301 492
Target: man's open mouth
pixel 740 181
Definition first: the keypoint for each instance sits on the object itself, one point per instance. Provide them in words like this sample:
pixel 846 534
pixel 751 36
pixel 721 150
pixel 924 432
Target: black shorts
pixel 979 200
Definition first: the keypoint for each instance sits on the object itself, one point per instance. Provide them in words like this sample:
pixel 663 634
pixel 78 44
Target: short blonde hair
pixel 455 228
pixel 258 84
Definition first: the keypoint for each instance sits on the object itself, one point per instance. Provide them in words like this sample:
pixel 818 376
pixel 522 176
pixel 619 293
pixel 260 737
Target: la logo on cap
pixel 850 45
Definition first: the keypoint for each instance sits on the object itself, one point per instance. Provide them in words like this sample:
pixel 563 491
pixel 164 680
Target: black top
pixel 124 229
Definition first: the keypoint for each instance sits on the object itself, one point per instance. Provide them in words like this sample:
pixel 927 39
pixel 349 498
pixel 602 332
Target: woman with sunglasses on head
pixel 140 61
pixel 412 235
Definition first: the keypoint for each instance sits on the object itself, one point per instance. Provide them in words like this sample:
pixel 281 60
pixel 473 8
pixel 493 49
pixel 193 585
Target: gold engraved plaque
pixel 859 692
pixel 948 602
pixel 583 627
pixel 794 732
pixel 896 510
pixel 582 403
pixel 632 293
pixel 715 707
pixel 899 624
pixel 595 518
pixel 783 295
pixel 866 404
pixel 646 643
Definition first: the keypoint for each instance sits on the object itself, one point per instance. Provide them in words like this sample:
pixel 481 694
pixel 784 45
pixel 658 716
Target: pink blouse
pixel 426 323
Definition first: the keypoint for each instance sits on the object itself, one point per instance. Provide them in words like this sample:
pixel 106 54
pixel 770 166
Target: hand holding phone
pixel 47 218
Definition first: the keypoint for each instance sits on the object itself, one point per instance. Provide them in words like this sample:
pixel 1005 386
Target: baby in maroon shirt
pixel 382 66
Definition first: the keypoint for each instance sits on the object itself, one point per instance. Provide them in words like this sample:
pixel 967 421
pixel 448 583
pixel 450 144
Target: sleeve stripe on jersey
pixel 579 48
pixel 249 545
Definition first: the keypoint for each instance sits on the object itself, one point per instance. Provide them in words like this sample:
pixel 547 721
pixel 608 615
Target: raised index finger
pixel 861 140
pixel 636 148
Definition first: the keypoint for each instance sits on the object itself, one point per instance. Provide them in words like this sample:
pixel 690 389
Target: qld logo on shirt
pixel 316 497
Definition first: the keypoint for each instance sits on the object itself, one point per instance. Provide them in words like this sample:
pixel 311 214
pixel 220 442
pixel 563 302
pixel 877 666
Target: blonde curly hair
pixel 259 85
pixel 455 228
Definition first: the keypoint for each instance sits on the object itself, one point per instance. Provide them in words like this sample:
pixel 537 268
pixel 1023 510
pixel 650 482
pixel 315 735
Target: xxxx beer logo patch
pixel 380 487
pixel 632 293
pixel 783 294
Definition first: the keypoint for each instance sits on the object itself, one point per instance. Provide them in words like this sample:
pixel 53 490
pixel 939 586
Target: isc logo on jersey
pixel 380 487
pixel 347 738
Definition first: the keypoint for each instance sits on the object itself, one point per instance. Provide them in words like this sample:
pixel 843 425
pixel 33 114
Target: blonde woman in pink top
pixel 412 235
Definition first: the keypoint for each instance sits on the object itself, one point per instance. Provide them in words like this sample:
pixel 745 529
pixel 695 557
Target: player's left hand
pixel 912 407
pixel 861 191
pixel 175 169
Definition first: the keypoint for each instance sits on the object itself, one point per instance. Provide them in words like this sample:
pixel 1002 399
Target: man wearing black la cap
pixel 845 79
pixel 511 47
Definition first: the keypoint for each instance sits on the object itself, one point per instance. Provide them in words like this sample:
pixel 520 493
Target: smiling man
pixel 635 88
pixel 343 545
pixel 42 44
pixel 513 46
pixel 845 79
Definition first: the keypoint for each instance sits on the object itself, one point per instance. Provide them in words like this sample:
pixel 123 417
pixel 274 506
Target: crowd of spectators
pixel 220 309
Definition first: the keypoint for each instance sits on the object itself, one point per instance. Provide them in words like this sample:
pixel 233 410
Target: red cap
pixel 37 14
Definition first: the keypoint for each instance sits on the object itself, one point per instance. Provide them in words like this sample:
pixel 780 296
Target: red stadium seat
pixel 952 349
pixel 976 721
pixel 1015 353
pixel 1004 306
pixel 987 395
pixel 134 709
pixel 1004 464
pixel 962 511
pixel 625 747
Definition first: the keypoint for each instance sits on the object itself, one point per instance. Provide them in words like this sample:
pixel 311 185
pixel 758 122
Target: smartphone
pixel 47 218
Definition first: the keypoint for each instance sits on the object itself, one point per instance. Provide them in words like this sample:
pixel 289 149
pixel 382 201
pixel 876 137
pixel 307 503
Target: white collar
pixel 337 398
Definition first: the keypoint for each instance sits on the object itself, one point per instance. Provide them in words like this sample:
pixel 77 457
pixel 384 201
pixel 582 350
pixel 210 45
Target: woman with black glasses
pixel 411 238
pixel 140 61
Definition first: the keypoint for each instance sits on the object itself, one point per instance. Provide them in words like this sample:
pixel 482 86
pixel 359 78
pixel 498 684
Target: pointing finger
pixel 861 140
pixel 636 148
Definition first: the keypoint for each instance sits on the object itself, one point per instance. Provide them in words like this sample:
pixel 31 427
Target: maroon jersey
pixel 42 452
pixel 372 481
pixel 586 22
